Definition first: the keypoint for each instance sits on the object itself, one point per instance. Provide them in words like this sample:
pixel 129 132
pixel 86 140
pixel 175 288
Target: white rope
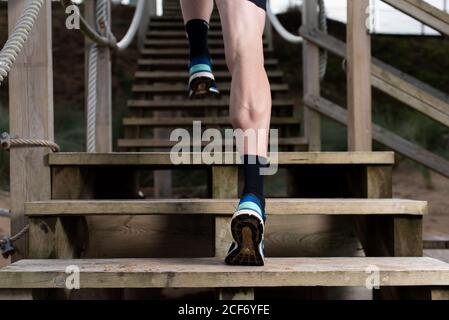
pixel 102 21
pixel 134 27
pixel 293 38
pixel 18 37
pixel 284 33
pixel 108 40
pixel 323 27
pixel 92 99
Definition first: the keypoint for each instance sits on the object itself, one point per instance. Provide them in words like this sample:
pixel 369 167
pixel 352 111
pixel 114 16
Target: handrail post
pixel 311 77
pixel 31 116
pixel 104 85
pixel 359 76
pixel 150 11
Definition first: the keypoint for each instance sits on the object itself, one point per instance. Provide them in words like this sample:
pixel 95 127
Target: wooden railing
pixel 424 12
pixel 403 87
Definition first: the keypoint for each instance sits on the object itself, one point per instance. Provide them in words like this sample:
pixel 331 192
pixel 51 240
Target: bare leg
pixel 197 9
pixel 250 107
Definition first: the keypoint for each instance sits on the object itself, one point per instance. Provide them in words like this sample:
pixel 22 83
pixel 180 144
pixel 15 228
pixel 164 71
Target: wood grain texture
pixel 192 105
pixel 224 186
pixel 212 272
pixel 188 121
pixel 180 88
pixel 311 57
pixel 226 207
pixel 31 116
pixel 165 143
pixel 163 158
pixel 358 77
pixel 183 75
pixel 385 137
pixel 407 89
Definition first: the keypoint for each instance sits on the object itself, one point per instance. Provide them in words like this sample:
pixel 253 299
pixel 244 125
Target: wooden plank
pixel 439 293
pixel 226 207
pixel 62 237
pixel 165 143
pixel 183 75
pixel 189 104
pixel 385 137
pixel 358 77
pixel 177 43
pixel 180 34
pixel 405 88
pixel 224 186
pixel 181 88
pixel 31 116
pixel 104 87
pixel 178 18
pixel 424 12
pixel 163 158
pixel 311 57
pixel 188 121
pixel 16 294
pixel 178 25
pixel 180 63
pixel 212 272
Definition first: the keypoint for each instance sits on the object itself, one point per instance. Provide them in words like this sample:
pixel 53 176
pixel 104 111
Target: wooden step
pixel 183 76
pixel 178 25
pixel 188 121
pixel 182 43
pixel 337 207
pixel 194 104
pixel 184 53
pixel 212 273
pixel 165 143
pixel 178 18
pixel 182 88
pixel 163 158
pixel 183 63
pixel 180 34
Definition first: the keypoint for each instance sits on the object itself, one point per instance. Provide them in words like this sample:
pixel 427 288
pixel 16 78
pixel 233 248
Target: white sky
pixel 386 19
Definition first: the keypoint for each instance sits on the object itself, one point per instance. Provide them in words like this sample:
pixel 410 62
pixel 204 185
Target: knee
pixel 249 116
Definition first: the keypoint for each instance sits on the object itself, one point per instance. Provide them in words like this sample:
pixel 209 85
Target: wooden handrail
pixel 423 12
pixel 382 135
pixel 407 89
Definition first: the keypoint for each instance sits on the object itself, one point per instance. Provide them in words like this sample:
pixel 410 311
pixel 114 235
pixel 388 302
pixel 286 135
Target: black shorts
pixel 260 3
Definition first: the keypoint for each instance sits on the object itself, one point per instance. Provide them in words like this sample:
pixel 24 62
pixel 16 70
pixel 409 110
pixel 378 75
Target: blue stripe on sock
pixel 251 202
pixel 200 68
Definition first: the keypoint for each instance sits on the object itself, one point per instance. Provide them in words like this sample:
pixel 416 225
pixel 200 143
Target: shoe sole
pixel 200 88
pixel 247 232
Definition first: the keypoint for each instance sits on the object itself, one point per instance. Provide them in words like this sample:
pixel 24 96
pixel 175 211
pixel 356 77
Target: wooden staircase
pixel 98 186
pixel 95 224
pixel 160 91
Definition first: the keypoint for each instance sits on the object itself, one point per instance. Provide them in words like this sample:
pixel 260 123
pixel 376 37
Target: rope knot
pixel 5 141
pixel 8 141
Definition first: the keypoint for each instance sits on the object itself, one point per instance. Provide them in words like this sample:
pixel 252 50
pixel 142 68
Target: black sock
pixel 254 180
pixel 197 32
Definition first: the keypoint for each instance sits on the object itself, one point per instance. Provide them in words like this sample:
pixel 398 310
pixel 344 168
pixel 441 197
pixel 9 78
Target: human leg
pixel 196 15
pixel 250 111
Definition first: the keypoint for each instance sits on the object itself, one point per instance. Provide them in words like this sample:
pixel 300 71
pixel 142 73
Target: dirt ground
pixel 407 183
pixel 411 184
